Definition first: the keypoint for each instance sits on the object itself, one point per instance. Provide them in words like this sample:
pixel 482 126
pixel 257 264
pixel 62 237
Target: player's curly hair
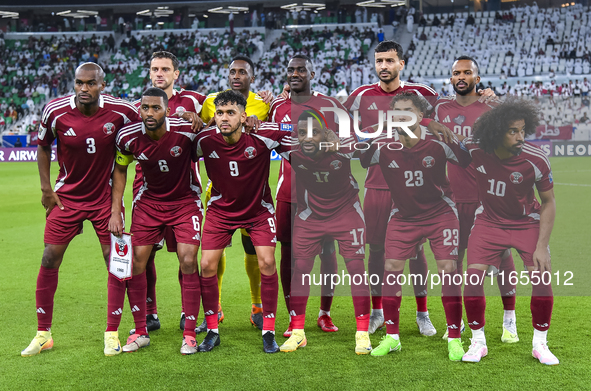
pixel 229 97
pixel 418 101
pixel 491 127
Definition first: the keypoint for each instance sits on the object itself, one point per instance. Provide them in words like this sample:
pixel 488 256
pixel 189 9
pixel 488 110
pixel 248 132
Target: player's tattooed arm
pixel 541 256
pixel 193 118
pixel 49 199
pixel 266 95
pixel 117 190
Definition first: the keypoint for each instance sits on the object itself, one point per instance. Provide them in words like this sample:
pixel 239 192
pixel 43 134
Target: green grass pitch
pixel 328 362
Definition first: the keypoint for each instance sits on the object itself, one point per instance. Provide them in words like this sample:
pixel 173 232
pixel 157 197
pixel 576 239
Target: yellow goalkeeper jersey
pixel 254 106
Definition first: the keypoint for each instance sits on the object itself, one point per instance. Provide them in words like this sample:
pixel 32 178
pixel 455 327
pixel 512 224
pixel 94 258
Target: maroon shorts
pixel 487 244
pixel 285 213
pixel 62 225
pixel 403 238
pixel 150 220
pixel 347 228
pixel 217 233
pixel 466 212
pixel 377 205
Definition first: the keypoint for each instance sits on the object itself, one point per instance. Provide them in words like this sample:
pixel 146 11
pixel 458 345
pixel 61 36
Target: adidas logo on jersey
pixel 148 300
pixel 70 132
pixel 274 240
pixel 361 250
pixel 191 317
pixel 142 157
pixel 210 312
pixel 302 167
pixel 270 316
pixel 481 169
pixel 452 326
pixel 214 155
pixel 135 308
pixel 389 322
pixel 393 164
pixel 454 252
pixel 373 106
pixel 286 119
pixel 446 119
pixel 118 311
pixel 197 237
pixel 40 310
pixel 292 313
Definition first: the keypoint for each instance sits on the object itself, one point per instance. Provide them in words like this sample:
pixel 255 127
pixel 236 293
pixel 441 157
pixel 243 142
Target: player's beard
pixel 156 126
pixel 310 153
pixel 394 75
pixel 231 132
pixel 164 87
pixel 516 151
pixel 466 91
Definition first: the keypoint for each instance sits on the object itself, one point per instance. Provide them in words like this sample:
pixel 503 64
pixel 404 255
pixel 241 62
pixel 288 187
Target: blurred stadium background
pixel 523 48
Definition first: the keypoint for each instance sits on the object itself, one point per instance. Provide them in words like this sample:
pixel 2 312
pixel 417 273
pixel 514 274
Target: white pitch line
pixel 572 184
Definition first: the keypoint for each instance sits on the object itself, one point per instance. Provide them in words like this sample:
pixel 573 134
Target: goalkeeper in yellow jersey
pixel 240 77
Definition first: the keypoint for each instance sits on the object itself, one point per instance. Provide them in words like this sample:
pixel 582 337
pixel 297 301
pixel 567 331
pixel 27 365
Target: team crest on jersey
pixel 250 152
pixel 176 151
pixel 108 128
pixel 459 119
pixel 516 178
pixel 428 161
pixel 336 164
pixel 180 110
pixel 122 248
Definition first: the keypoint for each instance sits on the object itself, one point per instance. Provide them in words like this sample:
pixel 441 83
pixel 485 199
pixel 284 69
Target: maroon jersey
pixel 416 176
pixel 325 186
pixel 240 172
pixel 369 100
pixel 286 112
pixel 460 120
pixel 506 187
pixel 85 148
pixel 179 102
pixel 166 163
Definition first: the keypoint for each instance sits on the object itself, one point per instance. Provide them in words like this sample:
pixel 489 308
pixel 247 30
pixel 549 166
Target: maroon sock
pixel 181 285
pixel 192 298
pixel 285 270
pixel 507 289
pixel 151 281
pixel 375 267
pixel 46 287
pixel 210 296
pixel 359 291
pixel 542 301
pixel 136 293
pixel 392 296
pixel 451 297
pixel 474 299
pixel 300 288
pixel 269 291
pixel 328 265
pixel 418 266
pixel 115 299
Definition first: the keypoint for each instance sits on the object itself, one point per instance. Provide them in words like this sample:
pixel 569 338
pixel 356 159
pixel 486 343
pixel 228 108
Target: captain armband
pixel 123 160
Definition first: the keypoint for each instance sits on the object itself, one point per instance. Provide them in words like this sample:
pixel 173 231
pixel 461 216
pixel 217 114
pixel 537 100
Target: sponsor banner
pixel 22 155
pixel 549 132
pixel 571 148
pixel 564 148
